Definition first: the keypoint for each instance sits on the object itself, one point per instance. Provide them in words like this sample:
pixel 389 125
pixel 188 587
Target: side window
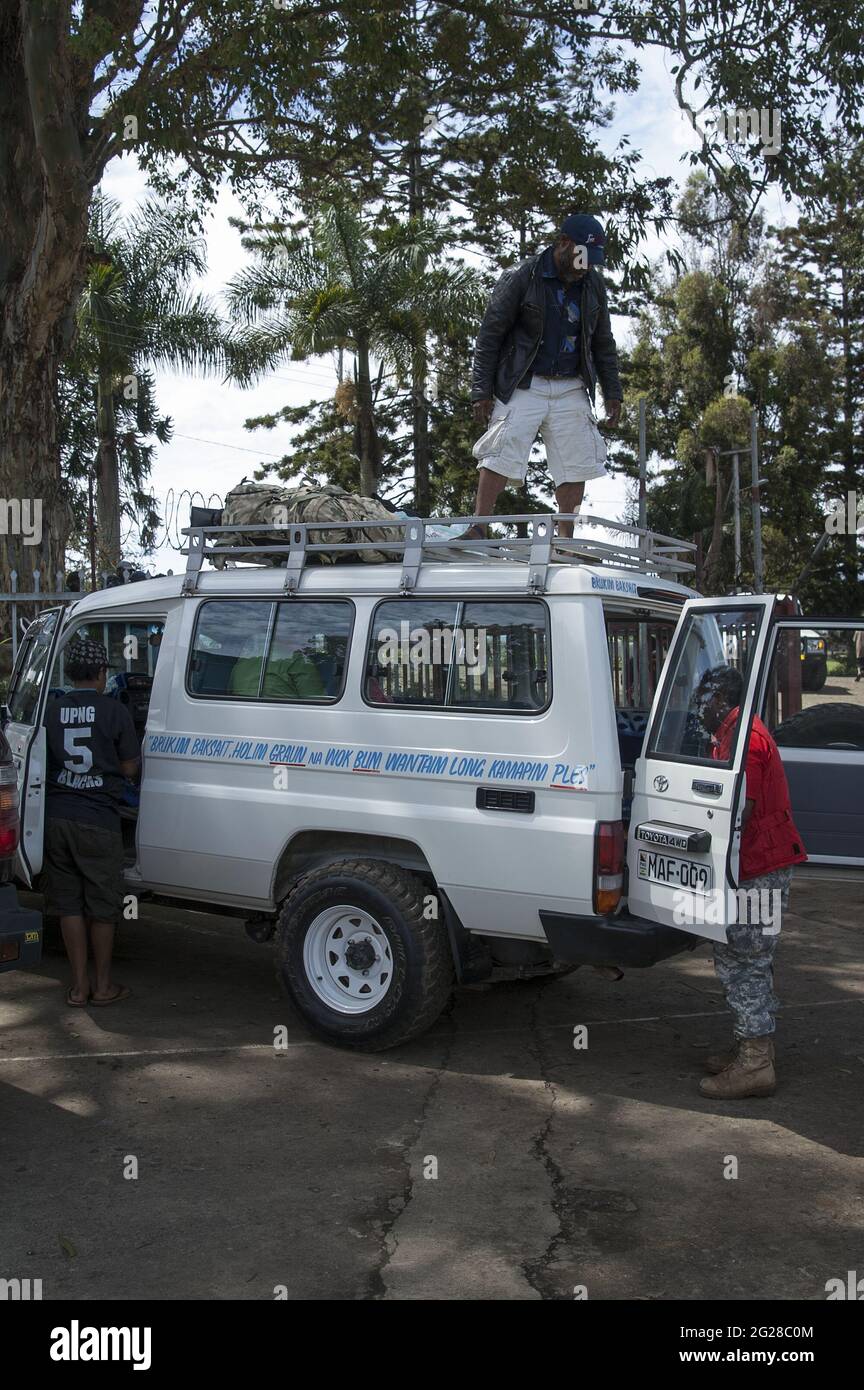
pixel 227 656
pixel 408 659
pixel 699 718
pixel 256 650
pixel 132 647
pixel 440 653
pixel 815 693
pixel 505 661
pixel 308 651
pixel 30 668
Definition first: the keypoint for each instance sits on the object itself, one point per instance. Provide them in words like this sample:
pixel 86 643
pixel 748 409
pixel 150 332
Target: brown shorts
pixel 83 870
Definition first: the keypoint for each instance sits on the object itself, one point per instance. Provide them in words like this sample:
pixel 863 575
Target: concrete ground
pixel 836 690
pixel 310 1169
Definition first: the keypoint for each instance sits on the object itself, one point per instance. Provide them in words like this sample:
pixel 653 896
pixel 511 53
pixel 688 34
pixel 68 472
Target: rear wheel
pixel 814 677
pixel 364 958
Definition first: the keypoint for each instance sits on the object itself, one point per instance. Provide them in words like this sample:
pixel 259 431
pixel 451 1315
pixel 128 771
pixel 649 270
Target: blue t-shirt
pixel 560 352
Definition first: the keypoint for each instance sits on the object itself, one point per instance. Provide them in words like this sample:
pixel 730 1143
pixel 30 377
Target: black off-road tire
pixel 423 974
pixel 815 680
pixel 822 726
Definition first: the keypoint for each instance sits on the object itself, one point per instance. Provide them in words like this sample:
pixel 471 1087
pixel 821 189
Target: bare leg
pixel 102 936
pixel 74 931
pixel 490 485
pixel 569 498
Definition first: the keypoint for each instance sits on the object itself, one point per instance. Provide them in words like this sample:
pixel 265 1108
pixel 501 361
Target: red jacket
pixel 769 840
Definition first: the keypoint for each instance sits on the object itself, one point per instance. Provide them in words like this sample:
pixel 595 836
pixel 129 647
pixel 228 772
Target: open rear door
pixel 685 829
pixel 28 688
pixel 813 704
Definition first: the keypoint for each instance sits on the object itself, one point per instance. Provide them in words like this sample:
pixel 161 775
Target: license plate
pixel 676 873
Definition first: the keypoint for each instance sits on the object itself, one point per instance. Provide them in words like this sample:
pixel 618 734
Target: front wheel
pixel 363 955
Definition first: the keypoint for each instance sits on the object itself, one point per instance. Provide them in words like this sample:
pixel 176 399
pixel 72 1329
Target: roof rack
pixel 415 541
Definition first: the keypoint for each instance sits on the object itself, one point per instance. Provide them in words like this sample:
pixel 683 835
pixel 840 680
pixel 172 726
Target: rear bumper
pixel 20 932
pixel 621 940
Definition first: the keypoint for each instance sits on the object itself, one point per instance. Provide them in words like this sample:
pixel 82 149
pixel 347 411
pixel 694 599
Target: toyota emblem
pixel 661 784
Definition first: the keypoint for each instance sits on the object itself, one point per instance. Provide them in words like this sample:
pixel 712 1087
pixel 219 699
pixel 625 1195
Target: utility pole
pixel 643 526
pixel 734 492
pixel 736 512
pixel 758 577
pixel 643 470
pixel 91 527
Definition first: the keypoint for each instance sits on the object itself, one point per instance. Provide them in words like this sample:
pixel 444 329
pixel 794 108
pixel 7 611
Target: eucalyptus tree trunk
pixel 419 403
pixel 107 477
pixel 44 198
pixel 420 423
pixel 852 479
pixel 370 447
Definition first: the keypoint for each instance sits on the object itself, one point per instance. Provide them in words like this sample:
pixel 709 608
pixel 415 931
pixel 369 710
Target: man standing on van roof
pixel 92 747
pixel 770 845
pixel 544 341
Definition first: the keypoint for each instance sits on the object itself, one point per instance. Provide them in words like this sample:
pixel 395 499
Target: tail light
pixel 609 855
pixel 10 822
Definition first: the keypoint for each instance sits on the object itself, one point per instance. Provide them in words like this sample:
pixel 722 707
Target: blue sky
pixel 211 452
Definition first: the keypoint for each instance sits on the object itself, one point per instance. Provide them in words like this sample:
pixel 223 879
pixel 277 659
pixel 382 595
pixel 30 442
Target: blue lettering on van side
pixel 169 743
pixel 613 586
pixel 294 754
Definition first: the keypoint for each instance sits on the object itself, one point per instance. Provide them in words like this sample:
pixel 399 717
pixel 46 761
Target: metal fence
pixel 44 598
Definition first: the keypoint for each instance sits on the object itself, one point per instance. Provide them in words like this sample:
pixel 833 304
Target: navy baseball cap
pixel 586 231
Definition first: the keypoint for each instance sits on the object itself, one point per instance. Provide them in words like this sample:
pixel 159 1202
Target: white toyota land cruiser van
pixel 475 758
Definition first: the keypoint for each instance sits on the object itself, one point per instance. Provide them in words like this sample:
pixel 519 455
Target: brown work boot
pixel 751 1073
pixel 719 1061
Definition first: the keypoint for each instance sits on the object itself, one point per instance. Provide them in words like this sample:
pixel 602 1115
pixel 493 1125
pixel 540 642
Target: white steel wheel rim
pixel 348 959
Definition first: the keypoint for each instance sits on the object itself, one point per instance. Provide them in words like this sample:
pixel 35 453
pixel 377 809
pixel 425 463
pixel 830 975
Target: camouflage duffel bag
pixel 266 504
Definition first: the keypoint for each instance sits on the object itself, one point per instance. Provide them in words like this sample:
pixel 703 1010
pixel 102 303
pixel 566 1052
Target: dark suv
pixel 20 927
pixel 814 660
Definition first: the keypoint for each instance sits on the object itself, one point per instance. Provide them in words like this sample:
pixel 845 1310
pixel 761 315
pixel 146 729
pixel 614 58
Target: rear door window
pixel 709 669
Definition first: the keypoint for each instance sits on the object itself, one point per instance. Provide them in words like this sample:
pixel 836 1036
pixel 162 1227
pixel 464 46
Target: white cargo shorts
pixel 559 410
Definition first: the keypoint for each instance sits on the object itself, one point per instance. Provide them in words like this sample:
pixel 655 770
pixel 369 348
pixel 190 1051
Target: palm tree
pixel 343 285
pixel 136 313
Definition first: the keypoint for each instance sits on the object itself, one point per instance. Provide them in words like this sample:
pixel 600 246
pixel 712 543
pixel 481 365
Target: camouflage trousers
pixel 745 961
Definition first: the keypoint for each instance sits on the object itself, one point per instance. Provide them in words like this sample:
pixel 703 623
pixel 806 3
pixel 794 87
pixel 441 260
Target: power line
pixel 240 448
pixel 149 352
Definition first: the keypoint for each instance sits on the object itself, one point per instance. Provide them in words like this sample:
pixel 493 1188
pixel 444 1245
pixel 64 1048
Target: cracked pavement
pixel 489 1159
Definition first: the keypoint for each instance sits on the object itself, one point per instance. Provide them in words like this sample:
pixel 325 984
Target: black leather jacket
pixel 512 330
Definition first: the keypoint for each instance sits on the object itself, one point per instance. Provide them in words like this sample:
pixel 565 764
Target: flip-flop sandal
pixel 76 1003
pixel 122 993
